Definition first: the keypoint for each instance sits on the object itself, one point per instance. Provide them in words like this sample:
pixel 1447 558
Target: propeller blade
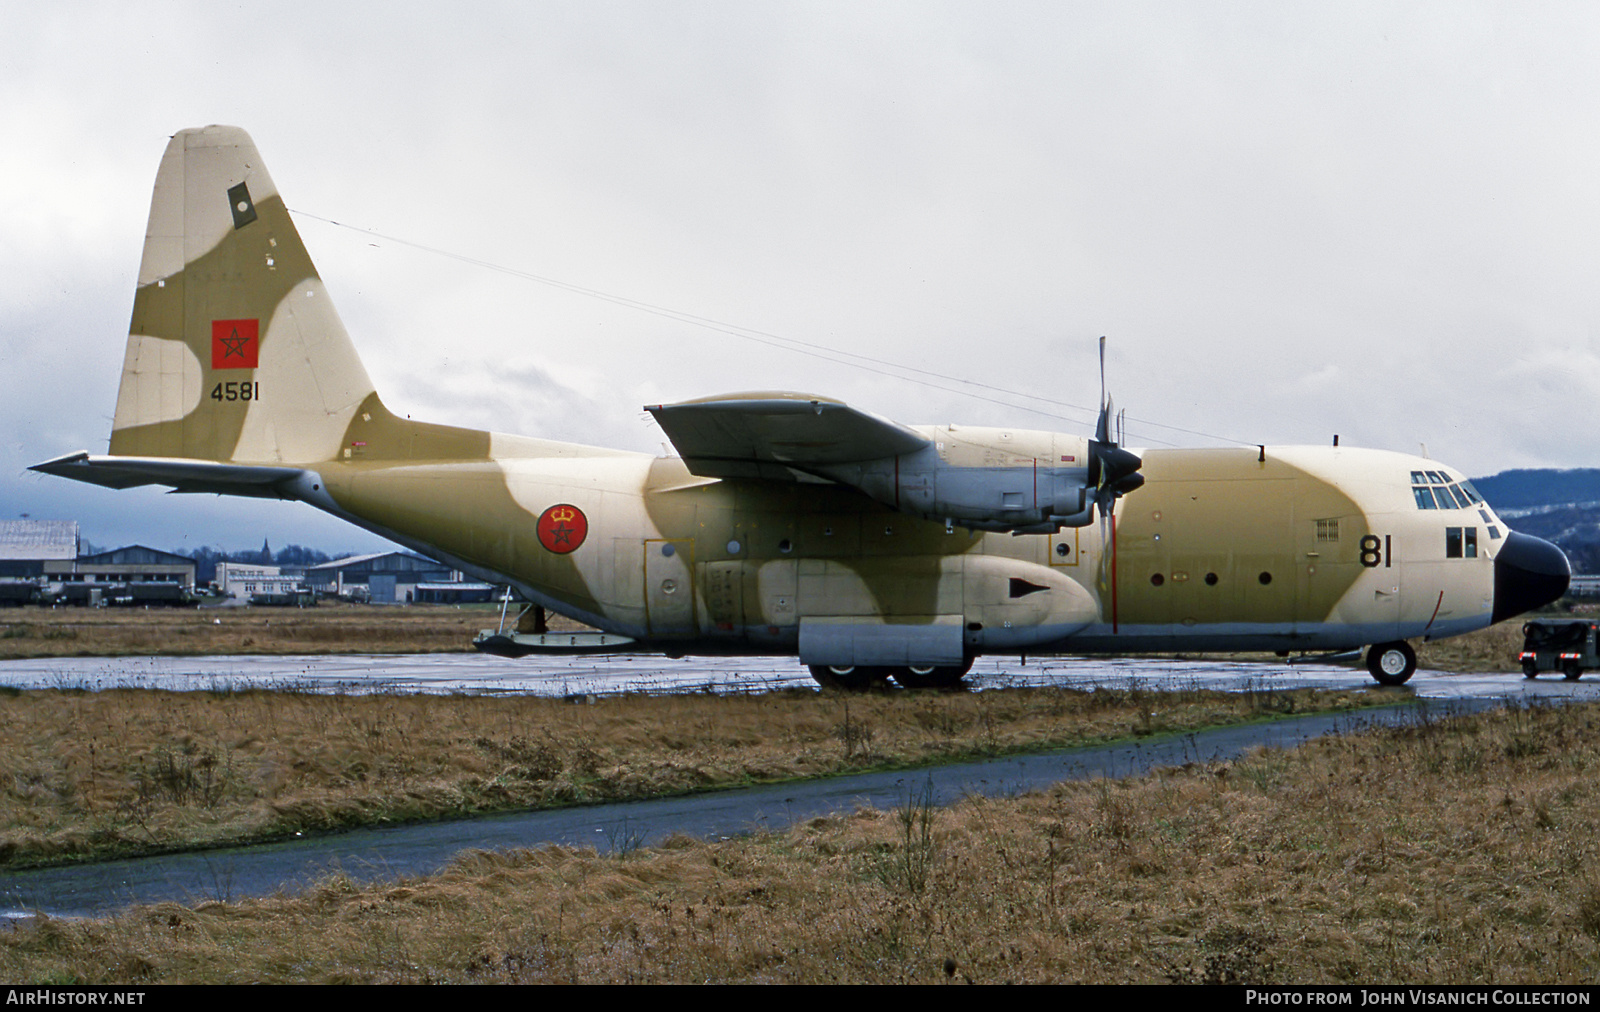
pixel 1102 428
pixel 1113 471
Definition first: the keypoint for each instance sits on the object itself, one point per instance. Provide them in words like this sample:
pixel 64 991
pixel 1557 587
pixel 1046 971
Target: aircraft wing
pixel 776 435
pixel 182 474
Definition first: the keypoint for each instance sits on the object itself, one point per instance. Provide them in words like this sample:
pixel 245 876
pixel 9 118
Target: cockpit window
pixel 1435 490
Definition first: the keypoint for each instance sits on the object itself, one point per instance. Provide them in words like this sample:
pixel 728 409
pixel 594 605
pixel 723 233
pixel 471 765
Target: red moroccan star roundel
pixel 235 344
pixel 562 528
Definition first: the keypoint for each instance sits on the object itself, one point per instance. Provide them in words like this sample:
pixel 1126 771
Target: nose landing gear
pixel 1391 663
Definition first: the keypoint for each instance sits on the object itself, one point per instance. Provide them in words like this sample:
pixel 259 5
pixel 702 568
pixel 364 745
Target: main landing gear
pixel 1391 663
pixel 860 677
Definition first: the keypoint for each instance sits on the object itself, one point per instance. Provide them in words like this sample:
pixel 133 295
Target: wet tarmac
pixel 615 673
pixel 389 853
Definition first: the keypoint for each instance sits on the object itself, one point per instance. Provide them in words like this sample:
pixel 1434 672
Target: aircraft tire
pixel 1391 663
pixel 932 677
pixel 1571 671
pixel 852 678
pixel 1530 669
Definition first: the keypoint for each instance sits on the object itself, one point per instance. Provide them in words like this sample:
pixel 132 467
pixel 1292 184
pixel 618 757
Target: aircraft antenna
pixel 897 370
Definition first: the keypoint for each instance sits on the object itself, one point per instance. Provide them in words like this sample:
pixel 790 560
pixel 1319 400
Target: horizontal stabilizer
pixel 767 434
pixel 181 474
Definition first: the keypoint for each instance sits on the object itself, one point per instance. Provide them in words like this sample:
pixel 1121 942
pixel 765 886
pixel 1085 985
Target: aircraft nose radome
pixel 1528 572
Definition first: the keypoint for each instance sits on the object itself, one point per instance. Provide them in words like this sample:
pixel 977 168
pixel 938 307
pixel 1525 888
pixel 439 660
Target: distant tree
pixel 206 558
pixel 299 555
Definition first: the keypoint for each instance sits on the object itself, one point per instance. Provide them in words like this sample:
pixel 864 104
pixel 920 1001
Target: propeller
pixel 1113 471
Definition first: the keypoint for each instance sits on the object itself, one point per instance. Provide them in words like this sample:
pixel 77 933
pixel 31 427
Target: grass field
pixel 1459 851
pixel 87 775
pixel 326 629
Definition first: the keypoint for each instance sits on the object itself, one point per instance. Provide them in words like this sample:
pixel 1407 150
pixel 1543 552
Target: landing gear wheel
pixel 1530 669
pixel 851 678
pixel 1571 671
pixel 930 677
pixel 1391 663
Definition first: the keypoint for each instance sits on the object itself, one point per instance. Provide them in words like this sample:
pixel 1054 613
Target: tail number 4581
pixel 242 390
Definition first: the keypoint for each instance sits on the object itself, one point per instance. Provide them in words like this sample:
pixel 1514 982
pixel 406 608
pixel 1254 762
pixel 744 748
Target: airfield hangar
pixel 394 578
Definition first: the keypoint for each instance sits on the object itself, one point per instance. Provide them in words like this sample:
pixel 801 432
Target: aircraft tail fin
pixel 235 352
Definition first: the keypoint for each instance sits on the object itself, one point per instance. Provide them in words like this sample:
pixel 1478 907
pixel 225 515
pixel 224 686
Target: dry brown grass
pixel 91 774
pixel 326 629
pixel 1462 851
pixel 1487 650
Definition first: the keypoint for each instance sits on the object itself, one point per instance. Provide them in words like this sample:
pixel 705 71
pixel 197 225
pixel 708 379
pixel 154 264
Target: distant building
pixel 456 592
pixel 246 580
pixel 133 564
pixel 26 545
pixel 43 555
pixel 381 578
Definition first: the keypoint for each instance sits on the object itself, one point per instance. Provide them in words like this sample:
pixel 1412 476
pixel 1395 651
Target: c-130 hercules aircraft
pixel 791 524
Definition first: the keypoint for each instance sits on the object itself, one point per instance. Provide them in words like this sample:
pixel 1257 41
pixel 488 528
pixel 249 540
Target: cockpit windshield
pixel 1436 490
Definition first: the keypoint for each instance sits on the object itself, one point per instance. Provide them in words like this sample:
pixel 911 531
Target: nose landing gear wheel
pixel 1391 663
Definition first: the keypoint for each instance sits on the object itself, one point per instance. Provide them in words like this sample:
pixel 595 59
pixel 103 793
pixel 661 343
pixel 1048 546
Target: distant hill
pixel 1559 506
pixel 1526 488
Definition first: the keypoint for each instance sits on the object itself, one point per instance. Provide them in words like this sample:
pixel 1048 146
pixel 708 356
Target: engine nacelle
pixel 984 479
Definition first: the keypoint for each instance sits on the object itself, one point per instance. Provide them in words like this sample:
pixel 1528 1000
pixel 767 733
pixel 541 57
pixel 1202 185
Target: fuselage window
pixel 1452 542
pixel 1471 542
pixel 1461 542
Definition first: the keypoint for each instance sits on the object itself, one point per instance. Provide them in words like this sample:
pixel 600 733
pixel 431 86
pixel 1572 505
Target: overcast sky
pixel 1290 219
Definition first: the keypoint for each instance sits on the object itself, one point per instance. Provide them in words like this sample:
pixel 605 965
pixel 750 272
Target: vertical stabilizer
pixel 235 352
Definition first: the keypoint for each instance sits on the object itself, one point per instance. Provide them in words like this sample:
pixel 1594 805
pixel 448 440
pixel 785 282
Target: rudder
pixel 235 353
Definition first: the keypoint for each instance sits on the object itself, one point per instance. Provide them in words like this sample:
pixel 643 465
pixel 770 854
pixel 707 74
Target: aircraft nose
pixel 1528 572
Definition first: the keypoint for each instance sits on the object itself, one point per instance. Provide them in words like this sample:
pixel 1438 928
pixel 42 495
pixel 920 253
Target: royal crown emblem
pixel 562 528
